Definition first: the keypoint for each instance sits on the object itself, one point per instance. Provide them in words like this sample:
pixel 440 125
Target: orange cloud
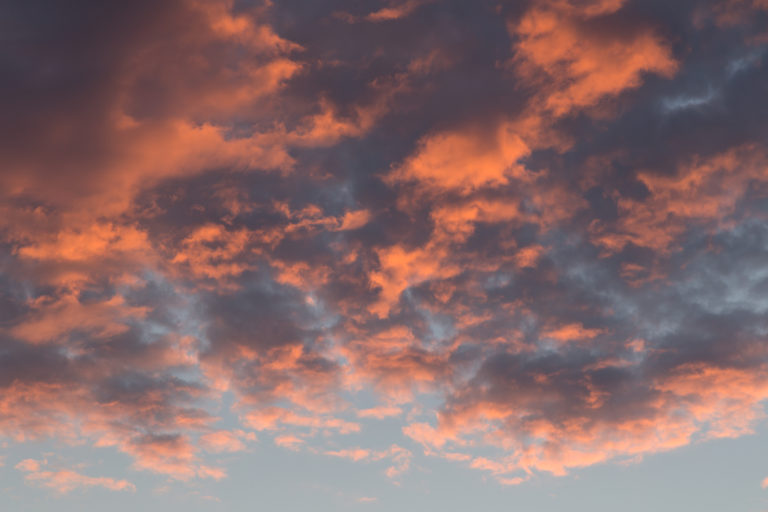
pixel 395 364
pixel 355 454
pixel 733 12
pixel 289 441
pixel 64 481
pixel 582 63
pixel 512 481
pixel 397 455
pixel 171 455
pixel 211 251
pixel 702 191
pixel 164 111
pixel 195 226
pixel 94 241
pixel 571 332
pixel 427 435
pixel 52 319
pixel 397 9
pixel 464 160
pixel 693 401
pixel 271 418
pixel 402 268
pixel 225 441
pixel 379 412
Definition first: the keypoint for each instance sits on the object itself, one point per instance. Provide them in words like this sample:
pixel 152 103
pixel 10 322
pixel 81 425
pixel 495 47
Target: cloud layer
pixel 533 234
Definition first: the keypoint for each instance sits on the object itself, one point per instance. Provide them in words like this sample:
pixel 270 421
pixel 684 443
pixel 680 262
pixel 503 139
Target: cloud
pixel 583 58
pixel 225 441
pixel 571 332
pixel 379 412
pixel 399 457
pixel 478 223
pixel 702 191
pixel 464 161
pixel 289 441
pixel 64 481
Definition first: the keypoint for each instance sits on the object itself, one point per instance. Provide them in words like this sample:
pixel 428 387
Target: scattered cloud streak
pixel 64 481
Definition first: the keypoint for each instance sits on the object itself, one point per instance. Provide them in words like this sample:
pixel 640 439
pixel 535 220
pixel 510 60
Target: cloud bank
pixel 546 220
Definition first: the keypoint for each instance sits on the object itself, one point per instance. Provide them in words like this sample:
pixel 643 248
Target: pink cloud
pixel 225 441
pixel 289 441
pixel 380 412
pixel 64 481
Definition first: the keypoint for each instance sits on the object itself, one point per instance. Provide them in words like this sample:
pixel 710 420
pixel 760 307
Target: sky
pixel 383 255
